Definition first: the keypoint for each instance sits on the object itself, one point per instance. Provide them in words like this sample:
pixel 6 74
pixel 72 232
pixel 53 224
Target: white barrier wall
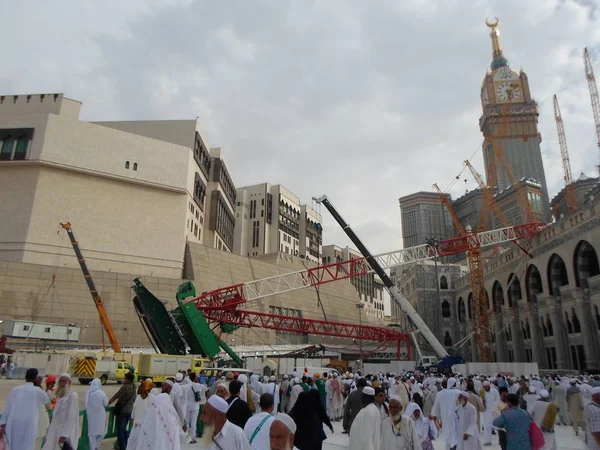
pixel 392 366
pixel 46 363
pixel 494 368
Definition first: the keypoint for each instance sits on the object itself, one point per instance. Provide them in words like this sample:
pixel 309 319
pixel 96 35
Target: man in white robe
pixel 65 417
pixel 491 398
pixel 444 409
pixel 531 398
pixel 365 433
pixel 160 428
pixel 219 433
pixel 43 419
pixel 328 401
pixel 282 432
pixel 467 424
pixel 285 397
pixel 19 423
pixel 539 416
pixel 296 390
pixel 399 432
pixel 257 427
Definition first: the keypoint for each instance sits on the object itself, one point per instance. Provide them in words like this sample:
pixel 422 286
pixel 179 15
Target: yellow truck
pixel 86 368
pixel 161 367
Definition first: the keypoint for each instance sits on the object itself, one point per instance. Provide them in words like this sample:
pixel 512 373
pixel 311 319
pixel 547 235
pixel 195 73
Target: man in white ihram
pixel 444 408
pixel 219 433
pixel 468 438
pixel 491 398
pixel 65 417
pixel 282 433
pixel 19 423
pixel 365 433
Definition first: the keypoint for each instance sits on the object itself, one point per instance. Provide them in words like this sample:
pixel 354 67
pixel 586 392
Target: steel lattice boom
pixel 589 73
pixel 570 195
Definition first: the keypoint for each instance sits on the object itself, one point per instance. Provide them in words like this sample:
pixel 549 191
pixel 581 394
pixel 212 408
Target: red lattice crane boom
pixel 570 195
pixel 223 305
pixel 589 73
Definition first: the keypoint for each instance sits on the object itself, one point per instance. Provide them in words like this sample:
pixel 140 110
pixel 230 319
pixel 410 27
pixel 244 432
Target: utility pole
pixel 360 307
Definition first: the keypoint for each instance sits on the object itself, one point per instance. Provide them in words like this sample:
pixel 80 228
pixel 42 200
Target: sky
pixel 362 101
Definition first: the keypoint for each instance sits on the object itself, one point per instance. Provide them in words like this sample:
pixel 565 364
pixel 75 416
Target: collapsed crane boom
pixel 104 320
pixel 392 289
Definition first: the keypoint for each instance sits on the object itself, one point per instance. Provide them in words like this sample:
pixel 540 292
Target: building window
pixel 25 327
pixel 445 309
pixel 134 166
pixel 255 233
pixel 443 283
pixel 69 331
pixel 47 330
pixel 7 149
pixel 127 164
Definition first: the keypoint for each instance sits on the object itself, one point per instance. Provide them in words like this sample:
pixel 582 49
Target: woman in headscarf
pixel 160 427
pixel 96 402
pixel 142 401
pixel 426 429
pixel 309 415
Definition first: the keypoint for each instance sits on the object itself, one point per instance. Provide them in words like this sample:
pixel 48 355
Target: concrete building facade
pixel 545 309
pixel 120 184
pixel 584 188
pixel 369 286
pixel 269 219
pixel 423 217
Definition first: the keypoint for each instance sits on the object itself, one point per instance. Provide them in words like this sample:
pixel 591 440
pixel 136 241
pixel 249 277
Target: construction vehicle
pixel 161 367
pixel 85 369
pixel 104 320
pixel 444 365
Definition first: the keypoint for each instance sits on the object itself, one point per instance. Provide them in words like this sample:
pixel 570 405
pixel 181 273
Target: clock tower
pixel 510 120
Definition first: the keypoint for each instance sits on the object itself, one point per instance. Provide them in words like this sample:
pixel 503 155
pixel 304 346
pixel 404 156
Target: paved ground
pixel 565 438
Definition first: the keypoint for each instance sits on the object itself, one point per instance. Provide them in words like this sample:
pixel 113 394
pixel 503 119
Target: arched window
pixel 575 319
pixel 461 310
pixel 127 164
pixel 447 339
pixel 443 283
pixel 134 166
pixel 568 324
pixel 470 306
pixel 549 326
pixel 446 309
pixel 544 329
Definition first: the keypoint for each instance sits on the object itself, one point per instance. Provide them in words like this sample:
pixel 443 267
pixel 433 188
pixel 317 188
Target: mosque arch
pixel 497 296
pixel 585 263
pixel 533 283
pixel 461 310
pixel 470 306
pixel 513 290
pixel 557 274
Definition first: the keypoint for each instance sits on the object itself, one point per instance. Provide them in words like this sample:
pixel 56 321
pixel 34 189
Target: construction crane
pixel 104 320
pixel 477 286
pixel 589 73
pixel 570 194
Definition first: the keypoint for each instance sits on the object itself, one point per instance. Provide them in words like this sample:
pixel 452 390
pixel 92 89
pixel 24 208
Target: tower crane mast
pixel 569 186
pixel 589 73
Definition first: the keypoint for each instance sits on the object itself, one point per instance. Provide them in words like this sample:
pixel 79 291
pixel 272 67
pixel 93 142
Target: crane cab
pixel 427 364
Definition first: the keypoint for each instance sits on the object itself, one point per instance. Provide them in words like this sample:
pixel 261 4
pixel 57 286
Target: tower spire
pixel 498 56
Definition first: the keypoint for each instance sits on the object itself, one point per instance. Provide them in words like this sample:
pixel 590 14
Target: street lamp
pixel 360 307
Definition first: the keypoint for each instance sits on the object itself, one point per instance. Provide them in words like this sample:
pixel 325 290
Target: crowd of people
pixel 231 411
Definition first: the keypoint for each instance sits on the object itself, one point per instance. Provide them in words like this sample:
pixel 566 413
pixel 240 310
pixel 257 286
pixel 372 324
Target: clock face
pixel 508 92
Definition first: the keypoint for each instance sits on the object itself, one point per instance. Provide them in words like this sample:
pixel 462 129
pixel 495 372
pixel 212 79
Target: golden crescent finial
pixel 492 25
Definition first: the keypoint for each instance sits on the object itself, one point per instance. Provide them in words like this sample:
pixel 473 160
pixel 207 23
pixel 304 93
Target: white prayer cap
pixel 179 377
pixel 243 379
pixel 65 375
pixel 412 378
pixel 285 377
pixel 265 378
pixel 218 403
pixel 296 380
pixel 544 393
pixel 356 376
pixel 368 390
pixel 572 381
pixel 272 377
pixel 596 390
pixel 169 382
pixel 287 421
pixel 532 389
pixel 464 394
pixel 451 382
pixel 395 397
pixel 477 377
pixel 335 375
pixel 486 383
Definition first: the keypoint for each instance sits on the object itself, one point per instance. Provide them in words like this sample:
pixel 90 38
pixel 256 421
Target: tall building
pixel 269 218
pixel 510 119
pixel 424 217
pixel 57 168
pixel 369 286
pixel 584 186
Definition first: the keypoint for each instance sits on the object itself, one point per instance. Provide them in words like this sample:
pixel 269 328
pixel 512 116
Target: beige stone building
pixel 270 218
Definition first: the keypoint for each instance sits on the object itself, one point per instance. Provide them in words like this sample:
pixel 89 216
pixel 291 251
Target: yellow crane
pixel 104 320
